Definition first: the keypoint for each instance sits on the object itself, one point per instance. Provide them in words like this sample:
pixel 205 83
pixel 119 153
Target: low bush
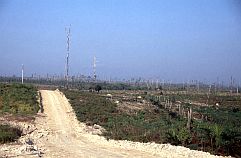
pixel 8 134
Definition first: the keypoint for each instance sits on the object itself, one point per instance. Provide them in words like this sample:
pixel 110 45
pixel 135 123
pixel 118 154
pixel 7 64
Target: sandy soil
pixel 57 133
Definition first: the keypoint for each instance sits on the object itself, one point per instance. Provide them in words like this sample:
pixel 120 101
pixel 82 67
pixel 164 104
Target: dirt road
pixel 68 137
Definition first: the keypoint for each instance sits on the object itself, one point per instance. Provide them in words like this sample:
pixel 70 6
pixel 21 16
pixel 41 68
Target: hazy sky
pixel 169 39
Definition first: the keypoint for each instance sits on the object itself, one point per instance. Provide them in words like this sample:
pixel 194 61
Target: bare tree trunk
pixel 179 109
pixel 189 118
pixel 209 90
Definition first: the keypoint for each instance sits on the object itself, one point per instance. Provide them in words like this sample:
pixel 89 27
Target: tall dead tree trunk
pixel 208 95
pixel 189 119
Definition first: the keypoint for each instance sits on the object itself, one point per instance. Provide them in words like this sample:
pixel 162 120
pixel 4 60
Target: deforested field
pixel 75 121
pixel 193 120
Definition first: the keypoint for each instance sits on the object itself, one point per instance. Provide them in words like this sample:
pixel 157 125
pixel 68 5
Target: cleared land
pixel 163 118
pixel 58 133
pixel 67 136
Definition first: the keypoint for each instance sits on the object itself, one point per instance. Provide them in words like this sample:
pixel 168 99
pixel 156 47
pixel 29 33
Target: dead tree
pixel 208 95
pixel 170 106
pixel 179 109
pixel 189 119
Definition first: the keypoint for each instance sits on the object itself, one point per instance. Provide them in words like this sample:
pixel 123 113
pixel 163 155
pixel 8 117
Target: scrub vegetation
pixel 215 129
pixel 18 101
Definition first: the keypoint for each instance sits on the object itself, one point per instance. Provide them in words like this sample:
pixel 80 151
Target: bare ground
pixel 57 133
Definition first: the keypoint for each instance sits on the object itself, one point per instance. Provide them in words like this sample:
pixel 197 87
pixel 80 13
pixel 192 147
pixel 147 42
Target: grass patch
pixel 18 99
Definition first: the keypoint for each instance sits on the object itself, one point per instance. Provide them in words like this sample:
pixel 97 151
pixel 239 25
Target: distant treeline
pixel 89 83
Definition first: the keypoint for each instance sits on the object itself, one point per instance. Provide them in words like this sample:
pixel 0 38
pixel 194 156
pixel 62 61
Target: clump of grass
pixel 9 134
